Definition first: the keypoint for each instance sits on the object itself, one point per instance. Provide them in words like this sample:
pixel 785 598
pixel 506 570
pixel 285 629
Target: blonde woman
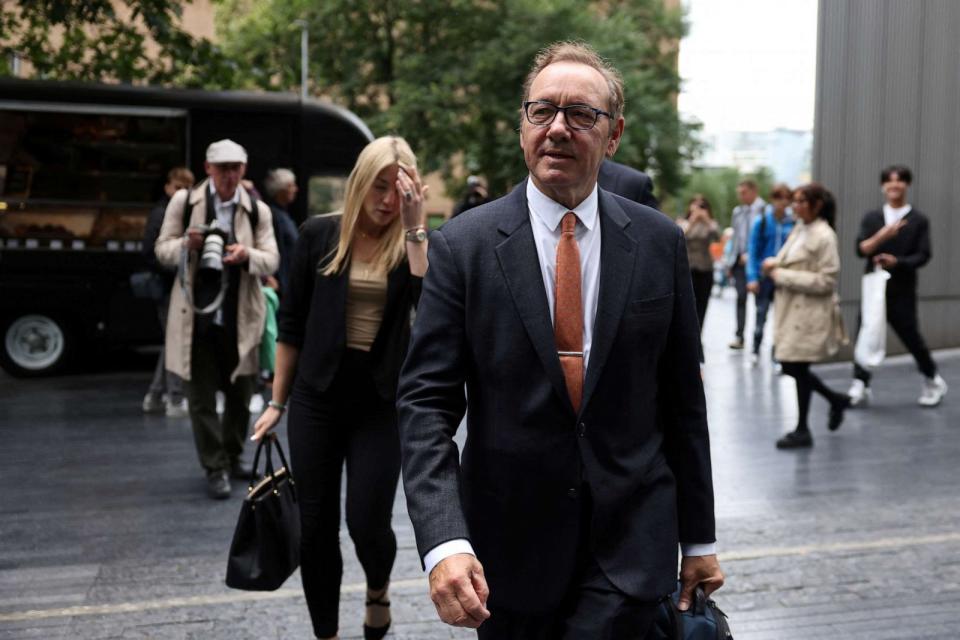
pixel 808 327
pixel 343 329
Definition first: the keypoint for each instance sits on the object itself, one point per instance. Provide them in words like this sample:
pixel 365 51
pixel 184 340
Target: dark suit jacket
pixel 312 314
pixel 627 182
pixel 640 440
pixel 911 246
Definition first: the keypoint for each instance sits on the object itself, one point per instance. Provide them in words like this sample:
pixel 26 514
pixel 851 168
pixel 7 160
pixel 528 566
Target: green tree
pixel 719 186
pixel 446 74
pixel 91 40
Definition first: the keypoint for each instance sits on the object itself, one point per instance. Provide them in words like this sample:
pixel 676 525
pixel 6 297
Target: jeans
pixel 740 282
pixel 763 299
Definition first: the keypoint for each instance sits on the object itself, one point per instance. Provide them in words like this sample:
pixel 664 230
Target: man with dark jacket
pixel 627 182
pixel 281 189
pixel 165 394
pixel 897 238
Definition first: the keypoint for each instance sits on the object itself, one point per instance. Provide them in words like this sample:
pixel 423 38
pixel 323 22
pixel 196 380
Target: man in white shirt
pixel 569 315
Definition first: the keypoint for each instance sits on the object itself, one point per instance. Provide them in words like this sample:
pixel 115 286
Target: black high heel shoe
pixel 376 633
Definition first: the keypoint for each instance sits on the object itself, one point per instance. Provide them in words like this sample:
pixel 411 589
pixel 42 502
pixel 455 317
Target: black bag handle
pixel 269 441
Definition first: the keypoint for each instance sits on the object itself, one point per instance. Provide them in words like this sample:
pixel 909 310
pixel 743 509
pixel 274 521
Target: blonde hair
pixel 375 157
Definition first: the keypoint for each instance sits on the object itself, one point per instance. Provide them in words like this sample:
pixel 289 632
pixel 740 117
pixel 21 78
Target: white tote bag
pixel 871 344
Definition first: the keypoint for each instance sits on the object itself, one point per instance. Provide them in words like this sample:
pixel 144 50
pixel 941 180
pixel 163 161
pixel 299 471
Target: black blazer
pixel 640 440
pixel 627 182
pixel 911 246
pixel 312 314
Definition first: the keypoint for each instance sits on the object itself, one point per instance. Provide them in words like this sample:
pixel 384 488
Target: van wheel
pixel 34 345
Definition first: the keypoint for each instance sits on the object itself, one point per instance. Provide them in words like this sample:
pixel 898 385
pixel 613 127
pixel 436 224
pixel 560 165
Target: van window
pixel 83 176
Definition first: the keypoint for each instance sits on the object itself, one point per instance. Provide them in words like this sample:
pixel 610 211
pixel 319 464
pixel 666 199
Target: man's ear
pixel 616 133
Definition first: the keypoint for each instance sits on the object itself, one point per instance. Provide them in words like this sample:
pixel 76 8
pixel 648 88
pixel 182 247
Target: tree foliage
pixel 447 74
pixel 101 40
pixel 719 186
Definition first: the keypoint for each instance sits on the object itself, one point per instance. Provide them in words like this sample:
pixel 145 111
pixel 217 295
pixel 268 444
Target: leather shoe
pixel 218 485
pixel 795 440
pixel 836 413
pixel 240 471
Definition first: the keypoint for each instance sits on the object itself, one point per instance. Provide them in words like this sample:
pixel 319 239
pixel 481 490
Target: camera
pixel 211 253
pixel 209 279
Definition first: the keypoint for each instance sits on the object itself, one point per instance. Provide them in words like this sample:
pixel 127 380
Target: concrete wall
pixel 888 91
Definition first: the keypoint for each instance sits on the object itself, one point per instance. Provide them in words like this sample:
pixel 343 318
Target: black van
pixel 80 167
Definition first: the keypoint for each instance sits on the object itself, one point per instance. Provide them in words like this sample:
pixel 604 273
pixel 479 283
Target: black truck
pixel 81 166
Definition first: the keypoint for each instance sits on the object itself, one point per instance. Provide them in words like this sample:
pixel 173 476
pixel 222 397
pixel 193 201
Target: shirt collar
pixel 216 197
pixel 551 213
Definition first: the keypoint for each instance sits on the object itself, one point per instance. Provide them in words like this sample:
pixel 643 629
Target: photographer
pixel 217 311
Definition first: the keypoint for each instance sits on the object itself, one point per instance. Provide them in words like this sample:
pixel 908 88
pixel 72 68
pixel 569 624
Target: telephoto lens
pixel 211 255
pixel 208 279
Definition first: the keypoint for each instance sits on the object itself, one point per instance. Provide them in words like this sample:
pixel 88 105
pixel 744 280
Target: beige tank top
pixel 366 299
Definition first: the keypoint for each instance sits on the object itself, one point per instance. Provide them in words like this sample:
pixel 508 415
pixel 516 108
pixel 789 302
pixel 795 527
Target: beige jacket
pixel 808 325
pixel 251 308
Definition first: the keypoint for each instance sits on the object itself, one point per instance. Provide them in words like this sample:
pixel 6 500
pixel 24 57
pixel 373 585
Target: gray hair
pixel 278 179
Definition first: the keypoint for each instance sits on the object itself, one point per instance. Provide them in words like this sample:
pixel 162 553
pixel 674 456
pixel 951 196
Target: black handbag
pixel 266 543
pixel 702 621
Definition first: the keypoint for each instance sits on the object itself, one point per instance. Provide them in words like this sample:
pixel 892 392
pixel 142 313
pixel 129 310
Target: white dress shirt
pixel 545 218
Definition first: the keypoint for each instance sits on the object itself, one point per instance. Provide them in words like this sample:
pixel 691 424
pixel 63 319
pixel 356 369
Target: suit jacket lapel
pixel 618 255
pixel 517 256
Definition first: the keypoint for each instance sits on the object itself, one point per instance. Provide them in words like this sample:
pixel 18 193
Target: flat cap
pixel 226 150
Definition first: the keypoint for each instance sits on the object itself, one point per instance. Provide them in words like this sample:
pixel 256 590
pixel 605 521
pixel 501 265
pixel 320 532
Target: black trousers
pixel 348 424
pixel 763 299
pixel 902 317
pixel 213 357
pixel 702 286
pixel 808 382
pixel 740 283
pixel 592 609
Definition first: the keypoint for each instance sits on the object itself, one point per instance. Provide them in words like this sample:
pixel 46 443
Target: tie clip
pixel 572 354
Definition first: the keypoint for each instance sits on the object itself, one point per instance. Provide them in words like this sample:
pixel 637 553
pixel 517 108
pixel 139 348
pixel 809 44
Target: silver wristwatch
pixel 417 234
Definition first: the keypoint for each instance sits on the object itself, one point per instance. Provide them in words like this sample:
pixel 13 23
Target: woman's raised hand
pixel 412 194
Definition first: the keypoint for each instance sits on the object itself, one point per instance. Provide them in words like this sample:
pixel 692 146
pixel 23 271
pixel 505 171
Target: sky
pixel 749 65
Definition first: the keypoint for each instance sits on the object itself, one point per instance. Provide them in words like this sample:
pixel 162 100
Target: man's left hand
pixel 703 571
pixel 885 260
pixel 235 254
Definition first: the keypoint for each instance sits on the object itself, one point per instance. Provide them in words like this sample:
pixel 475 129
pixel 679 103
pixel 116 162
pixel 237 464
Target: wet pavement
pixel 106 532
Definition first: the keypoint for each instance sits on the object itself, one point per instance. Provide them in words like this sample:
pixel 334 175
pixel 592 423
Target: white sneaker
pixel 859 393
pixel 754 359
pixel 934 389
pixel 152 403
pixel 177 409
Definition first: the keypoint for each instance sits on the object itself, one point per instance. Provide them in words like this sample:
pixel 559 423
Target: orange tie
pixel 568 310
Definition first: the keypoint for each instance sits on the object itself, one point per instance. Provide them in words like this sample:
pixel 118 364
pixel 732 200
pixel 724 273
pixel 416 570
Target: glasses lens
pixel 541 112
pixel 581 117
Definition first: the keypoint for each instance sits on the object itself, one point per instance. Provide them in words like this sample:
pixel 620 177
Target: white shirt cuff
pixel 445 550
pixel 708 549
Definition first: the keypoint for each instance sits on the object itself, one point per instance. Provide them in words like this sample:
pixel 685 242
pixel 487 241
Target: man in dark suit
pixel 627 182
pixel 568 313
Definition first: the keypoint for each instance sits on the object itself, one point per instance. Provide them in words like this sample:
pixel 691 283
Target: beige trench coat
pixel 808 325
pixel 251 307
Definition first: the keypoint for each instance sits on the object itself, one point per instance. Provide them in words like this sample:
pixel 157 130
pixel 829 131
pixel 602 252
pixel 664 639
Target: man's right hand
pixel 459 591
pixel 193 239
pixel 753 287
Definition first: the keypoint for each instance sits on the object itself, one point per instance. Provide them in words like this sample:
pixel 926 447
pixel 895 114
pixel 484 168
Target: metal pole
pixel 303 59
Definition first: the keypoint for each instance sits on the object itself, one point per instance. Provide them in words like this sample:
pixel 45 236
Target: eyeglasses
pixel 579 117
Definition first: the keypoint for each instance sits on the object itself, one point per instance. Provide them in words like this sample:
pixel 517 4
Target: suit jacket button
pixel 582 429
pixel 572 493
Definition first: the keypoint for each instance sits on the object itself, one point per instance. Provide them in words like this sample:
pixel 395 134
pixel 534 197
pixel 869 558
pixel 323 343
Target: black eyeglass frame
pixel 596 114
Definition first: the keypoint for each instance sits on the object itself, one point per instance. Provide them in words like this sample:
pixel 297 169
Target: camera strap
pixel 183 270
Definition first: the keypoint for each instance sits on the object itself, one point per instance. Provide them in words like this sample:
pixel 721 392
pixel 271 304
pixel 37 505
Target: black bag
pixel 702 621
pixel 266 544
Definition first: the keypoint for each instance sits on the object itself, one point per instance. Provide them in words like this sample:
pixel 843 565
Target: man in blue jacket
pixel 767 235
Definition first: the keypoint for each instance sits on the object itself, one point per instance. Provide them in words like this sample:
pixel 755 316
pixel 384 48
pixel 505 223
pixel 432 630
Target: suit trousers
pixel 349 423
pixel 592 609
pixel 213 358
pixel 740 283
pixel 902 317
pixel 702 286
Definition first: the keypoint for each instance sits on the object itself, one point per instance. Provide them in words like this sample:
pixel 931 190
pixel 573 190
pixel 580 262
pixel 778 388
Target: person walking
pixel 560 320
pixel 897 238
pixel 165 393
pixel 750 207
pixel 344 325
pixel 281 188
pixel 217 349
pixel 628 182
pixel 769 232
pixel 808 327
pixel 700 231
